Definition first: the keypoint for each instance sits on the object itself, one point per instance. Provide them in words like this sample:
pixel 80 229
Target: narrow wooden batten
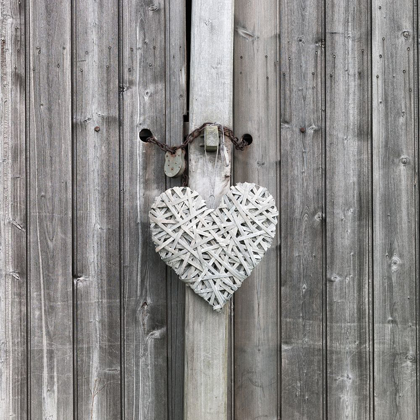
pixel 211 83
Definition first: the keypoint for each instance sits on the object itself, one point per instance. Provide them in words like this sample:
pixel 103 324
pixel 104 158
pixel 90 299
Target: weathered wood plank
pixel 13 284
pixel 349 208
pixel 395 210
pixel 144 299
pixel 302 215
pixel 256 112
pixel 50 210
pixel 96 207
pixel 211 89
pixel 176 108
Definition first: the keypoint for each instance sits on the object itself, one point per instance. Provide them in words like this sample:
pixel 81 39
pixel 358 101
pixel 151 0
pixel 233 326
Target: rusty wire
pixel 239 144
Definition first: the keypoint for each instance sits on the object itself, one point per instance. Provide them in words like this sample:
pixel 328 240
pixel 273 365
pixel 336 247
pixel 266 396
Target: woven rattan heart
pixel 214 251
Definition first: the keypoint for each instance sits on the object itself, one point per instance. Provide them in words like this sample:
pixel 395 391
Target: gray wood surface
pixel 93 325
pixel 395 208
pixel 13 280
pixel 302 51
pixel 256 112
pixel 211 99
pixel 176 109
pixel 50 210
pixel 96 209
pixel 144 295
pixel 349 209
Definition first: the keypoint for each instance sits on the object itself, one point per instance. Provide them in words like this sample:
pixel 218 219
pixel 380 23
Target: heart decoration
pixel 214 250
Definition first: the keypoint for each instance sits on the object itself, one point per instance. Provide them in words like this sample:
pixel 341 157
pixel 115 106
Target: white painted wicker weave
pixel 214 251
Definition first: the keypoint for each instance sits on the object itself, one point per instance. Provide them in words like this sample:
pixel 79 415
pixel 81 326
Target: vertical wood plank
pixel 50 210
pixel 256 112
pixel 349 208
pixel 176 108
pixel 13 284
pixel 395 199
pixel 144 297
pixel 302 218
pixel 211 83
pixel 96 205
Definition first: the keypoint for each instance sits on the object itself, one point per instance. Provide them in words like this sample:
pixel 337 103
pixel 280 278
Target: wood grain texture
pixel 96 207
pixel 211 89
pixel 13 281
pixel 349 208
pixel 176 108
pixel 302 217
pixel 256 112
pixel 91 320
pixel 144 298
pixel 50 210
pixel 395 208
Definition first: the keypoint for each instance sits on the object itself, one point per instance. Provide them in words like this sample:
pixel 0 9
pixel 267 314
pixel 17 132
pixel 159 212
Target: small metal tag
pixel 174 163
pixel 211 138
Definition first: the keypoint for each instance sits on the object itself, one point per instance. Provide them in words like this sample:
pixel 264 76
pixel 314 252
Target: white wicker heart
pixel 214 251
